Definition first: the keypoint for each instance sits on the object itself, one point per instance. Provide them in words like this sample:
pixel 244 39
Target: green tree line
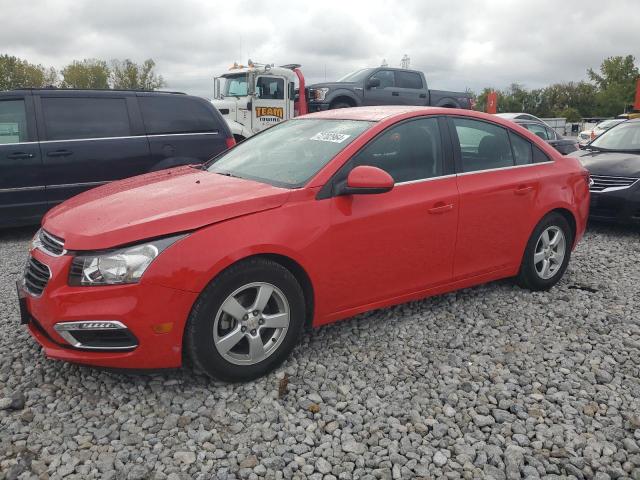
pixel 609 92
pixel 88 73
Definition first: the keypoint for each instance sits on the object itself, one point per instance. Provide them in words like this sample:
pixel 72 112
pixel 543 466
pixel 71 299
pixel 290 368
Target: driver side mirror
pixel 373 83
pixel 366 179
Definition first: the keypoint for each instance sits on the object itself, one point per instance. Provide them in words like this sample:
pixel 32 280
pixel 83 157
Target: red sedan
pixel 312 221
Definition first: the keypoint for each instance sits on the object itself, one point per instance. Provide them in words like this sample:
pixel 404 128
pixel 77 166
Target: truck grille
pixel 604 183
pixel 51 244
pixel 36 277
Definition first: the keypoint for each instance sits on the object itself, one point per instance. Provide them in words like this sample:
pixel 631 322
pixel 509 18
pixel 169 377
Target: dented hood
pixel 156 204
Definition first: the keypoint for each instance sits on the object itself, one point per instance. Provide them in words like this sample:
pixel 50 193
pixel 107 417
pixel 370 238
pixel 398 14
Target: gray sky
pixel 458 44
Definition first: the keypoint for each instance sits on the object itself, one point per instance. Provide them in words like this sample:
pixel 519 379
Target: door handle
pixel 59 153
pixel 395 94
pixel 523 190
pixel 19 155
pixel 441 207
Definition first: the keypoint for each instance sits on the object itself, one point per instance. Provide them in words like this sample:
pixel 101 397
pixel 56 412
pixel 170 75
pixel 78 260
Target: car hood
pixel 615 164
pixel 156 204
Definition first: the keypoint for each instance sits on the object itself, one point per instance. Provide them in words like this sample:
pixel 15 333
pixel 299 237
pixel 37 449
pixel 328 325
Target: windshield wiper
pixel 227 174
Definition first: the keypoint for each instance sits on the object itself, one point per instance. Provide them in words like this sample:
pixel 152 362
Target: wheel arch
pixel 569 217
pixel 343 98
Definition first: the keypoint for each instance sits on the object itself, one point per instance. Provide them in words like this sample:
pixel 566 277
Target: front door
pixel 498 185
pixel 269 105
pixel 402 241
pixel 385 93
pixel 22 192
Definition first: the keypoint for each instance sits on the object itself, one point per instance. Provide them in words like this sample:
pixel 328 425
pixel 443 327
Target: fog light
pixel 97 335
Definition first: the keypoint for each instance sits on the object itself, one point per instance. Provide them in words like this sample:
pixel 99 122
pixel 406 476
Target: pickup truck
pixel 383 86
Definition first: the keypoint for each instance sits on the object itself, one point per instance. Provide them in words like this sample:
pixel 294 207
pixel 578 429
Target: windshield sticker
pixel 330 137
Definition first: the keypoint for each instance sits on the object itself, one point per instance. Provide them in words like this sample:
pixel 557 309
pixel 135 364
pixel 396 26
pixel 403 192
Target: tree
pixel 617 84
pixel 88 73
pixel 18 73
pixel 127 75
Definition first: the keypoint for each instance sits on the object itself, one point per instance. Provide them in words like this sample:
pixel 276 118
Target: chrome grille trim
pixel 606 183
pixel 50 244
pixel 36 277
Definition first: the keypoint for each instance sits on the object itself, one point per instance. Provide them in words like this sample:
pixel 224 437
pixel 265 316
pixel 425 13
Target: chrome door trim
pixel 127 137
pixel 81 184
pixel 22 189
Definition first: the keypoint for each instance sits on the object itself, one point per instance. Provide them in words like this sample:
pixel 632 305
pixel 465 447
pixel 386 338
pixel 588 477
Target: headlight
pixel 116 267
pixel 320 93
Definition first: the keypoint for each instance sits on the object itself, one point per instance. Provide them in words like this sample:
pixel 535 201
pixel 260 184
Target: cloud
pixel 459 44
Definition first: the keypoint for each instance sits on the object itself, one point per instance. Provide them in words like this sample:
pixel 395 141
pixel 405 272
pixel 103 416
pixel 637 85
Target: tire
pixel 238 138
pixel 540 253
pixel 226 346
pixel 336 105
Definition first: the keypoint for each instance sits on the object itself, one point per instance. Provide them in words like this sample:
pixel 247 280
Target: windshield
pixel 289 154
pixel 356 76
pixel 235 86
pixel 625 136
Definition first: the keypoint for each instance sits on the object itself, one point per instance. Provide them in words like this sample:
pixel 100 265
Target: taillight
pixel 231 142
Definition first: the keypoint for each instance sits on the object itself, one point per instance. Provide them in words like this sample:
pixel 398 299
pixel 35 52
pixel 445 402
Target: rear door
pixel 22 192
pixel 88 141
pixel 181 129
pixel 410 88
pixel 498 183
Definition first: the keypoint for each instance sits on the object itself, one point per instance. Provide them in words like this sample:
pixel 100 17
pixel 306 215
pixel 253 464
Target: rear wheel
pixel 339 105
pixel 547 254
pixel 246 322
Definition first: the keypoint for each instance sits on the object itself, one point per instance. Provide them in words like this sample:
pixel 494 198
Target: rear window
pixel 67 118
pixel 408 80
pixel 176 114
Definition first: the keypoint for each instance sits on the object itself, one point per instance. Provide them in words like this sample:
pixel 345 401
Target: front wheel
pixel 246 322
pixel 547 253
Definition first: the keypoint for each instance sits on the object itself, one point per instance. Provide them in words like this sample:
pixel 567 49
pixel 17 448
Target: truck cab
pixel 255 97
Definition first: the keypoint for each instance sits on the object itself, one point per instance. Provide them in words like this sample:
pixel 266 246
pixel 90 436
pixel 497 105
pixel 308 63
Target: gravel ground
pixel 491 382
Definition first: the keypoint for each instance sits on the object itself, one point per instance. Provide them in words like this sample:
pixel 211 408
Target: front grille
pixel 51 244
pixel 36 276
pixel 604 183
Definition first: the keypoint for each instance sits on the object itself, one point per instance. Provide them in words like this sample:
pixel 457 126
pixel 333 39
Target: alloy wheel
pixel 549 252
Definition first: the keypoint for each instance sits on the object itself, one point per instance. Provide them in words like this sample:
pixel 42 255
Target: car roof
pixel 84 91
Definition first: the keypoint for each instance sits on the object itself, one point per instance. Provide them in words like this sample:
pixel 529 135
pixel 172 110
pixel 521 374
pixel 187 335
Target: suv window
pixel 68 118
pixel 386 77
pixel 166 114
pixel 270 88
pixel 408 80
pixel 538 130
pixel 13 121
pixel 409 151
pixel 483 146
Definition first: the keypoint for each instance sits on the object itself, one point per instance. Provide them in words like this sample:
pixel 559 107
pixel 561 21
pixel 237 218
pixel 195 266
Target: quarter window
pixel 409 151
pixel 166 114
pixel 270 88
pixel 483 146
pixel 408 80
pixel 72 118
pixel 13 121
pixel 538 130
pixel 522 152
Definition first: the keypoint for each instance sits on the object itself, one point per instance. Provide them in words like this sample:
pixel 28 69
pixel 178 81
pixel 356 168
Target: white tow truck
pixel 256 96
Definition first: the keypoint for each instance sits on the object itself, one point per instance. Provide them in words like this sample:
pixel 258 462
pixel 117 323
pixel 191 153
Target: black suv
pixel 56 143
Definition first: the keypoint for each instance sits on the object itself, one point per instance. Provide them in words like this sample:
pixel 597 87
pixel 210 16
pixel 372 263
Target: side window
pixel 68 118
pixel 13 121
pixel 166 114
pixel 522 152
pixel 551 134
pixel 408 80
pixel 270 88
pixel 483 145
pixel 538 130
pixel 409 151
pixel 386 78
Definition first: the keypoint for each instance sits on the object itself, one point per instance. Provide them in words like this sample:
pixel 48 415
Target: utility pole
pixel 384 63
pixel 405 62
